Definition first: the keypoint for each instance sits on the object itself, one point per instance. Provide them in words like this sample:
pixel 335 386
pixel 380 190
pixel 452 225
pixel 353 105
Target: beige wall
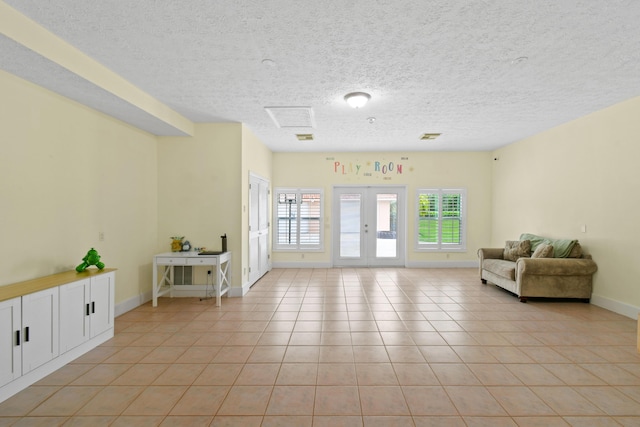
pixel 440 170
pixel 581 173
pixel 199 189
pixel 68 173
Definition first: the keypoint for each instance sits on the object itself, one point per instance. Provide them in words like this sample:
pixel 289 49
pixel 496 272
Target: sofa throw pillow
pixel 576 252
pixel 514 249
pixel 543 251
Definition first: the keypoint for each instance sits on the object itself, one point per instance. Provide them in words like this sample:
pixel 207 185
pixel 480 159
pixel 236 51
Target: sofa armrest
pixel 490 253
pixel 555 267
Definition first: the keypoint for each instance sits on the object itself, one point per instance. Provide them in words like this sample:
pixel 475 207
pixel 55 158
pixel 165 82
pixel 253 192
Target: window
pixel 299 222
pixel 441 219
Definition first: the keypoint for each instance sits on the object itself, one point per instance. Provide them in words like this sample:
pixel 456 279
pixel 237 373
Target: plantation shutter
pixel 287 222
pixel 298 219
pixel 451 218
pixel 441 219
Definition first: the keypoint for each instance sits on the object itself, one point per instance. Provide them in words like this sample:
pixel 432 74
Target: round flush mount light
pixel 357 99
pixel 519 60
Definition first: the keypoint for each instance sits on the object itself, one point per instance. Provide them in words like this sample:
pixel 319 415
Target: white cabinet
pixel 47 322
pixel 102 304
pixel 29 333
pixel 39 328
pixel 86 310
pixel 10 337
pixel 74 314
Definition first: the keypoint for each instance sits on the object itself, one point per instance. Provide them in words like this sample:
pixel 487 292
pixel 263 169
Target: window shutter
pixel 299 219
pixel 441 219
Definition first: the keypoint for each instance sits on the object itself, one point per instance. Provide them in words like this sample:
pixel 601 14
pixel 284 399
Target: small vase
pixel 176 245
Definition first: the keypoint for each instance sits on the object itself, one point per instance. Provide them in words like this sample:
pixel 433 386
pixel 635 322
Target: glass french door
pixel 368 226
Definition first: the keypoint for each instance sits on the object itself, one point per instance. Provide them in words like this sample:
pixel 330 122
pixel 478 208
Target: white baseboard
pixel 442 264
pixel 294 264
pixel 239 291
pixel 131 303
pixel 138 300
pixel 616 306
pixel 409 264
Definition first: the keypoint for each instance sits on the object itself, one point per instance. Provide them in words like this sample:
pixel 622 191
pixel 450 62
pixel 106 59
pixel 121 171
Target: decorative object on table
pixel 91 258
pixel 176 243
pixel 186 246
pixel 224 242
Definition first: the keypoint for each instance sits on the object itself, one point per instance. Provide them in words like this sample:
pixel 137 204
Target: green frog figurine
pixel 91 258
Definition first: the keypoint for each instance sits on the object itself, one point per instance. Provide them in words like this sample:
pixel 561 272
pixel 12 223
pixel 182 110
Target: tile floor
pixel 350 347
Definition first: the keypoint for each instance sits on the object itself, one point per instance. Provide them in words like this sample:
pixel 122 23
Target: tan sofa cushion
pixel 543 251
pixel 515 249
pixel 506 269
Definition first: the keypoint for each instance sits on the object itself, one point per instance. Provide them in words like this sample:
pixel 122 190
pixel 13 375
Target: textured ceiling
pixel 440 66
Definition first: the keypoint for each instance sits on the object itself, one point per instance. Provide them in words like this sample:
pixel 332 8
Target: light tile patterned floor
pixel 350 347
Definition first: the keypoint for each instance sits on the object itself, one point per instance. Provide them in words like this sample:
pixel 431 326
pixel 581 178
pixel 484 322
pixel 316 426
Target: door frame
pixel 400 259
pixel 262 236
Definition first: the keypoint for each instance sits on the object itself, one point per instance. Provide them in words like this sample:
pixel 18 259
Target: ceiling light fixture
pixel 519 60
pixel 357 99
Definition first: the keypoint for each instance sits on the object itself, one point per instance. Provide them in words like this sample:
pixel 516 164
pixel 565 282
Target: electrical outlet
pixel 101 236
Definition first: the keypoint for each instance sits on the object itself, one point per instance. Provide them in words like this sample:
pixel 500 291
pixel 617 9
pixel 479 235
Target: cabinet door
pixel 10 340
pixel 102 303
pixel 39 328
pixel 74 314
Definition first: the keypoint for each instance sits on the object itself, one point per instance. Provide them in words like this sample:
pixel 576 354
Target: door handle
pixel 26 334
pixel 18 337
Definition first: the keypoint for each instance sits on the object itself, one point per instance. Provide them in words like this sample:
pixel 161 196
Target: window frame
pixel 298 246
pixel 439 246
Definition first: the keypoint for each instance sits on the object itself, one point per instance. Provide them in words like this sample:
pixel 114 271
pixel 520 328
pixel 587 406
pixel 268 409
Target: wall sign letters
pixel 372 168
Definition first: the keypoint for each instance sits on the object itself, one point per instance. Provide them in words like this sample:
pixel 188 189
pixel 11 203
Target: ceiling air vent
pixel 304 136
pixel 429 136
pixel 292 117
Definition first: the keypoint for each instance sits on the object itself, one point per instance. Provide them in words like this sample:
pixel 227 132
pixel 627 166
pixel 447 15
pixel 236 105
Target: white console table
pixel 220 264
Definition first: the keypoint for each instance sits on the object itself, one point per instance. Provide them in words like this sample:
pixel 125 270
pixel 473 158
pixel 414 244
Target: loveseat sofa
pixel 535 266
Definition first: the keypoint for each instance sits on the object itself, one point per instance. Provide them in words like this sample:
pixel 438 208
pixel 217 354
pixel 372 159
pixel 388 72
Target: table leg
pixel 154 289
pixel 218 283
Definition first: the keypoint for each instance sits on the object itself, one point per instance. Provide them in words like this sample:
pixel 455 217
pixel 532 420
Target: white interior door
pixel 258 228
pixel 369 226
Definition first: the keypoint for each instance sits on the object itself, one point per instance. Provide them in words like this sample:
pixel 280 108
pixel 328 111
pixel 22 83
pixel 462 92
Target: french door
pixel 369 226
